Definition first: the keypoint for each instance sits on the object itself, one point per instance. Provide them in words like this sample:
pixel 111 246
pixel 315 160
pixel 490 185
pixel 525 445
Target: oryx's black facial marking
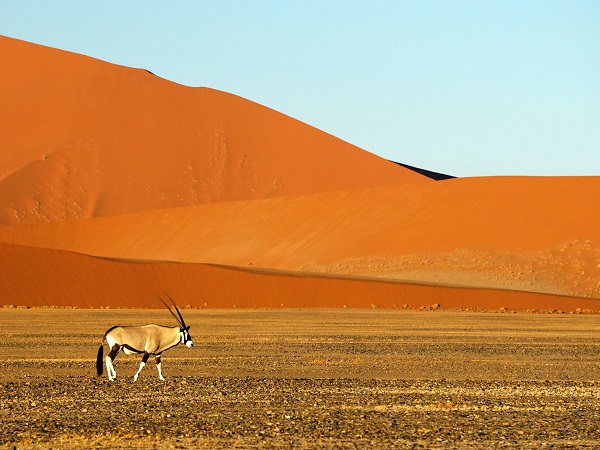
pixel 186 339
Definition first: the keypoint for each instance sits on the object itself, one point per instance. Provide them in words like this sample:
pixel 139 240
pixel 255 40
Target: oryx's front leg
pixel 142 364
pixel 110 369
pixel 158 364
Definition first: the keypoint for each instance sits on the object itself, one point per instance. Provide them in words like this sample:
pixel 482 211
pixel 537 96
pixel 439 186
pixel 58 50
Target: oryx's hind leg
pixel 110 369
pixel 142 364
pixel 158 364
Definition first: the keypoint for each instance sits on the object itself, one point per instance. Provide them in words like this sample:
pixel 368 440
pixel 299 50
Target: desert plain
pixel 308 378
pixel 337 299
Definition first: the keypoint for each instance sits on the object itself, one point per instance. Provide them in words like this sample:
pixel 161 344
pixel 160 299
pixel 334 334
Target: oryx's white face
pixel 185 337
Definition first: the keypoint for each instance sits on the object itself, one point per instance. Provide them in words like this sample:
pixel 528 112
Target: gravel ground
pixel 306 379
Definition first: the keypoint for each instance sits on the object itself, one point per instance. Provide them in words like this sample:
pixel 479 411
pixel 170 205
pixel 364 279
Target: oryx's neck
pixel 173 338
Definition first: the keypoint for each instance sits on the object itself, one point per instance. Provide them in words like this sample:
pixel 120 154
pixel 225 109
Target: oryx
pixel 146 340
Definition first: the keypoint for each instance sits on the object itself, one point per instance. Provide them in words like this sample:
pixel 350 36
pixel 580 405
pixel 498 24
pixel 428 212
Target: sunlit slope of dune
pixel 42 277
pixel 85 138
pixel 533 234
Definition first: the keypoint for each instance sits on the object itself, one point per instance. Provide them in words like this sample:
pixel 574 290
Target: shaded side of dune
pixel 41 277
pixel 437 176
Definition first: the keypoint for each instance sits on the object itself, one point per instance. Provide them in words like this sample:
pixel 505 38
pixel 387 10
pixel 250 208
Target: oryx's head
pixel 185 336
pixel 183 328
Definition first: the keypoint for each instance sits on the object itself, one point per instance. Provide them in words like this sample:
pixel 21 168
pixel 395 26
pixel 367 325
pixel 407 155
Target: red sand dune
pixel 85 138
pixel 71 280
pixel 494 232
pixel 139 175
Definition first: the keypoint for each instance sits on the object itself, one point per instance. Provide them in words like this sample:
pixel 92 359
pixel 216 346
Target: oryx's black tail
pixel 99 358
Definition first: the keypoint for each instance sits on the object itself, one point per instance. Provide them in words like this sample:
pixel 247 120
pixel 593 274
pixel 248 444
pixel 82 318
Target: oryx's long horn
pixel 177 309
pixel 170 310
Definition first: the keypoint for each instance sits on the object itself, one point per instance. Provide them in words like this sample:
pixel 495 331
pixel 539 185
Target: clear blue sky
pixel 462 87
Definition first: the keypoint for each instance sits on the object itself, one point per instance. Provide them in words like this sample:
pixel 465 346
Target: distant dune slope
pixel 86 138
pixel 39 277
pixel 526 233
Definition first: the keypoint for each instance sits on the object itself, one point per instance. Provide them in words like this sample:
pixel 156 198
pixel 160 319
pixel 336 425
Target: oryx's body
pixel 146 340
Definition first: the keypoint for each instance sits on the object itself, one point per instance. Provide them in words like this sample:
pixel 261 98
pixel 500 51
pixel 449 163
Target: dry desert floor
pixel 305 379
